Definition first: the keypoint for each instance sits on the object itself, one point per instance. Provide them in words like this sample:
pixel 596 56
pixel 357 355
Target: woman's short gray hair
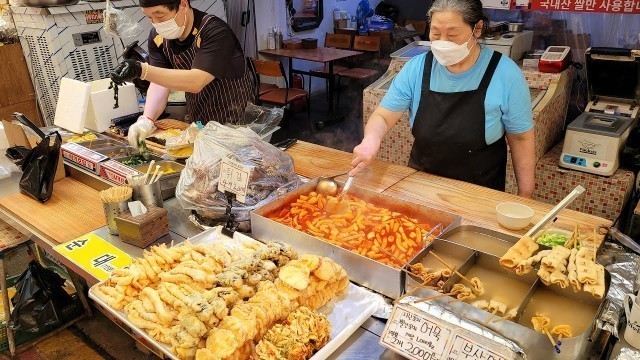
pixel 470 10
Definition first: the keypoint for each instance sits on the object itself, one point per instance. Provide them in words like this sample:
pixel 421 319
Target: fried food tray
pixel 362 270
pixel 535 345
pixel 346 315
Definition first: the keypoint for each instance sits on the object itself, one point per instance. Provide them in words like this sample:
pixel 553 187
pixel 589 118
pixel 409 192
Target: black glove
pixel 126 71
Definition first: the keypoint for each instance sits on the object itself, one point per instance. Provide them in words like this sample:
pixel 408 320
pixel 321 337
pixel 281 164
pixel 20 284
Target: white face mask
pixel 449 53
pixel 169 29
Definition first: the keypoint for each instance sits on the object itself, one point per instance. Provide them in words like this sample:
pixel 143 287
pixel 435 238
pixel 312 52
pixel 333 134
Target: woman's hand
pixel 364 154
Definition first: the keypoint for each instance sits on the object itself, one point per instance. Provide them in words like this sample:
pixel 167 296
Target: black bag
pixel 40 164
pixel 39 300
pixel 17 154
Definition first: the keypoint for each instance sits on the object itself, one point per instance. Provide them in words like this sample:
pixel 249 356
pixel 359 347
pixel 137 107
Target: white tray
pixel 346 316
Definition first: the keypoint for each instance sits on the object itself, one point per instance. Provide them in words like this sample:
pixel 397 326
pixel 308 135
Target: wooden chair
pixel 386 46
pixel 338 41
pixel 419 25
pixel 259 88
pixel 367 44
pixel 279 96
pixel 351 32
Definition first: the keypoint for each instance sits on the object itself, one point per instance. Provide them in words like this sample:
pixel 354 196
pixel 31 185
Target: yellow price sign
pixel 95 255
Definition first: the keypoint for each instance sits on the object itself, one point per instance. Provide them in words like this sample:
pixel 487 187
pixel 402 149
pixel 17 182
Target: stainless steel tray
pixel 169 181
pixel 384 279
pixel 535 345
pixel 116 151
pixel 101 143
pixel 414 49
pixel 478 238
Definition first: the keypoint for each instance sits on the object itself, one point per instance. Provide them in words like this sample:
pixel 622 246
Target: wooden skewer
pixel 493 313
pixel 594 246
pixel 405 295
pixel 423 286
pixel 553 342
pixel 429 298
pixel 502 318
pixel 453 269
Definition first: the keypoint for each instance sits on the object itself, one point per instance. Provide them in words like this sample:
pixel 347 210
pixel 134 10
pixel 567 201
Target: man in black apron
pixel 464 100
pixel 194 52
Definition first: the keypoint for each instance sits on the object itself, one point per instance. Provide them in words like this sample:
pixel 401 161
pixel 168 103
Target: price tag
pixel 414 336
pixel 234 177
pixel 467 349
pixel 419 335
pixel 95 255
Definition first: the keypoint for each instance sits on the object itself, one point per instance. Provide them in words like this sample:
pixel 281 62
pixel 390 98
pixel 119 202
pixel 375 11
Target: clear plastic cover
pixel 261 119
pixel 118 24
pixel 272 173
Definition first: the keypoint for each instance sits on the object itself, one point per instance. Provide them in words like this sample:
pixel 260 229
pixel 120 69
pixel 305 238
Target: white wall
pixel 273 13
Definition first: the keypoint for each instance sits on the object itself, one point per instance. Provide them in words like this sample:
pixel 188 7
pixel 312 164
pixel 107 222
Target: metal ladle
pixel 329 186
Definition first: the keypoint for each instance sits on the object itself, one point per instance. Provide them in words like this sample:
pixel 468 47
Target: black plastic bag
pixel 40 164
pixel 39 300
pixel 17 154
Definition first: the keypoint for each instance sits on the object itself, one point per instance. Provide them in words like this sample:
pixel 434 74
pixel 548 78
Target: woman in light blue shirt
pixel 463 98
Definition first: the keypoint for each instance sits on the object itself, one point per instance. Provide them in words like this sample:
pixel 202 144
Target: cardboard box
pixel 116 172
pixel 84 157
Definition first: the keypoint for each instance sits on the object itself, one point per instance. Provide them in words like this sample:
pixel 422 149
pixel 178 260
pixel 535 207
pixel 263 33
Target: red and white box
pixel 84 157
pixel 116 172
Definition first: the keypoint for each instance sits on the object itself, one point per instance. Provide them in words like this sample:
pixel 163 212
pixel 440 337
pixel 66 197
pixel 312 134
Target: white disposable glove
pixel 140 130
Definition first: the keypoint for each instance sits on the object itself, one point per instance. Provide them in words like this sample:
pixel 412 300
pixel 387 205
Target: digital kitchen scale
pixel 594 140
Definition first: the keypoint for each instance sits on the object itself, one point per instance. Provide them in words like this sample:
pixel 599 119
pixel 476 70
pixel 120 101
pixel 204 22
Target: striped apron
pixel 222 100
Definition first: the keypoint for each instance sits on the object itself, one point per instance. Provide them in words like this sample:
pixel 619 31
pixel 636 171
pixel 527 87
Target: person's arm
pixel 397 100
pixel 518 123
pixel 192 81
pixel 380 122
pixel 157 96
pixel 523 154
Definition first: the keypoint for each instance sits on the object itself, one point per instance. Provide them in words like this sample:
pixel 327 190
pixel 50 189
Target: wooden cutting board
pixel 73 210
pixel 477 204
pixel 313 160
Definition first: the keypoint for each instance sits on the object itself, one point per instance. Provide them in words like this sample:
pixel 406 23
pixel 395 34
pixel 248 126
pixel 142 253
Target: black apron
pixel 222 100
pixel 449 132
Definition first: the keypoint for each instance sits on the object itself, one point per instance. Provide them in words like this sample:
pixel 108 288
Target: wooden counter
pixel 476 204
pixel 313 160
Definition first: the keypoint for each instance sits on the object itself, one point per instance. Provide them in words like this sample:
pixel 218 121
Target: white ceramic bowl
pixel 514 216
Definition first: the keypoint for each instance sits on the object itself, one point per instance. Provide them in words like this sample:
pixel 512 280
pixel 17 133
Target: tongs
pixel 552 214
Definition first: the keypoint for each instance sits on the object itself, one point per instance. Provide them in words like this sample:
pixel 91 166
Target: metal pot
pixel 515 27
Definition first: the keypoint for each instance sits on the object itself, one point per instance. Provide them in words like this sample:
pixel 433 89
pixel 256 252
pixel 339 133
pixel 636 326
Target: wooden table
pixel 378 177
pixel 476 204
pixel 319 55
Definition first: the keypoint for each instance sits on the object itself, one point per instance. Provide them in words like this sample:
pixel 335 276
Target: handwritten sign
pixel 95 255
pixel 418 335
pixel 414 336
pixel 234 178
pixel 468 349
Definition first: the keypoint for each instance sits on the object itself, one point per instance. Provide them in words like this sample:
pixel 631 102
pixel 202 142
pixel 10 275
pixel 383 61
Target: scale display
pixel 86 38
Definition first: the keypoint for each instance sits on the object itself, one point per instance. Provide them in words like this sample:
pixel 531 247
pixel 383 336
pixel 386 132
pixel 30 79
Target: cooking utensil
pixel 284 145
pixel 515 27
pixel 347 185
pixel 329 186
pixel 551 214
pixel 146 175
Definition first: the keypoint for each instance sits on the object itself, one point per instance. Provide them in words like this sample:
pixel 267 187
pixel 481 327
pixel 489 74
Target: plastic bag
pixel 39 300
pixel 118 24
pixel 40 163
pixel 261 120
pixel 272 172
pixel 180 147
